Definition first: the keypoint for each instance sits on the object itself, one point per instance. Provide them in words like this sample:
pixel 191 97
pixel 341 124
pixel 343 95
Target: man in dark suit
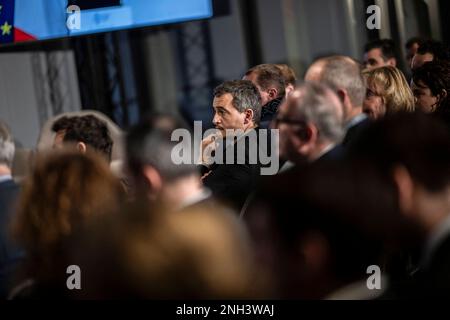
pixel 343 74
pixel 10 255
pixel 237 107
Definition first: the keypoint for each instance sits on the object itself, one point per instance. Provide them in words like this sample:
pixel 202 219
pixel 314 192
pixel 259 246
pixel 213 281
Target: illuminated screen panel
pixel 25 20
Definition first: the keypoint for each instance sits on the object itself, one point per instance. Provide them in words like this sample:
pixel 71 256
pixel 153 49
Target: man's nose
pixel 216 119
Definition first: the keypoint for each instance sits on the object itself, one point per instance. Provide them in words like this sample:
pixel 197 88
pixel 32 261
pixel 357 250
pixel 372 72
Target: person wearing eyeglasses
pixel 310 124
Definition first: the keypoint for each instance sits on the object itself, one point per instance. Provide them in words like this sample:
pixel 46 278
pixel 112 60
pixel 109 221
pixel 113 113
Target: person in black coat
pixel 232 172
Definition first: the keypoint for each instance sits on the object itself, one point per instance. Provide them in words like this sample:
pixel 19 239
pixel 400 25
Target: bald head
pixel 342 74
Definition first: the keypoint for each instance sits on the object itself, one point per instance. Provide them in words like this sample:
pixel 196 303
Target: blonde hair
pixel 390 84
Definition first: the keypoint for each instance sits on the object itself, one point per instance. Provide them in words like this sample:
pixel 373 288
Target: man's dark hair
pixel 61 124
pixel 245 96
pixel 269 75
pixel 439 50
pixel 419 142
pixel 87 129
pixel 149 144
pixel 436 76
pixel 387 47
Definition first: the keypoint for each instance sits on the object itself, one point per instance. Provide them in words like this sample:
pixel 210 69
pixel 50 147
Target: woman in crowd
pixel 430 85
pixel 387 92
pixel 65 193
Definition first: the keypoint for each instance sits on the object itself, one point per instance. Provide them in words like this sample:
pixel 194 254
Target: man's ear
pixel 81 146
pixel 392 62
pixel 273 93
pixel 153 178
pixel 248 116
pixel 405 188
pixel 441 96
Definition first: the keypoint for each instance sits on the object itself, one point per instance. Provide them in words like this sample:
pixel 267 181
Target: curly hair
pixel 436 76
pixel 389 83
pixel 87 129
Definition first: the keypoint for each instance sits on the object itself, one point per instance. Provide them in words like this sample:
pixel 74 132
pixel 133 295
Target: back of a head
pixel 315 103
pixel 439 50
pixel 390 83
pixel 87 129
pixel 268 76
pixel 417 141
pixel 288 73
pixel 65 190
pixel 387 47
pixel 7 147
pixel 414 40
pixel 341 72
pixel 150 144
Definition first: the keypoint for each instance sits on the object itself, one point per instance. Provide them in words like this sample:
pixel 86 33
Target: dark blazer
pixel 10 255
pixel 354 133
pixel 232 183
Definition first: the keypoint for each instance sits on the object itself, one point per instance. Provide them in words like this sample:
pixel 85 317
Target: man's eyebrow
pixel 221 108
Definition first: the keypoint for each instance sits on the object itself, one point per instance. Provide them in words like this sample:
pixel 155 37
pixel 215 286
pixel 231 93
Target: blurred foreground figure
pixel 10 255
pixel 412 152
pixel 64 194
pixel 196 254
pixel 320 230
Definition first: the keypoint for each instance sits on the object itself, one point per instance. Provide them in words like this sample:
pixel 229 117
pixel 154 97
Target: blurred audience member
pixel 343 74
pixel 271 84
pixel 317 233
pixel 413 152
pixel 310 122
pixel 10 255
pixel 380 53
pixel 428 51
pixel 85 133
pixel 200 254
pixel 154 173
pixel 290 78
pixel 65 193
pixel 387 92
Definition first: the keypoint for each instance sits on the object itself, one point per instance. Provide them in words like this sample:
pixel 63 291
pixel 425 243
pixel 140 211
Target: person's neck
pixel 4 170
pixel 176 193
pixel 354 112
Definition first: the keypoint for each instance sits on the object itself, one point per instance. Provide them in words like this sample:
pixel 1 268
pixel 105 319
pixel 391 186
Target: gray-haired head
pixel 245 96
pixel 317 104
pixel 340 72
pixel 7 146
pixel 150 144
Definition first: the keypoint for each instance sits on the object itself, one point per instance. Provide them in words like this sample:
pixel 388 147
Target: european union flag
pixel 6 21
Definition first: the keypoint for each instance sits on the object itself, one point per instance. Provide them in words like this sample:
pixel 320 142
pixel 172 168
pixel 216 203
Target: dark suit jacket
pixel 354 133
pixel 10 255
pixel 232 183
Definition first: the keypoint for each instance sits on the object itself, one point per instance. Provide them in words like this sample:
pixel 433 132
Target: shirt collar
pixel 435 239
pixel 5 178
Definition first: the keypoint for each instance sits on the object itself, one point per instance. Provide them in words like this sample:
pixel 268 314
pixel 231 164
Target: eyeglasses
pixel 290 121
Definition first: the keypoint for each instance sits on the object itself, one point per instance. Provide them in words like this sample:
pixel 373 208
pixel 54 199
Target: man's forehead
pixel 222 100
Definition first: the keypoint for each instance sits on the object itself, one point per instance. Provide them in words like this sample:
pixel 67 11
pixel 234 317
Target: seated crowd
pixel 336 187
